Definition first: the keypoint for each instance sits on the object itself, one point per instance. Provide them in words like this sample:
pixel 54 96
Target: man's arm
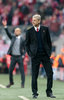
pixel 27 42
pixel 49 39
pixel 6 29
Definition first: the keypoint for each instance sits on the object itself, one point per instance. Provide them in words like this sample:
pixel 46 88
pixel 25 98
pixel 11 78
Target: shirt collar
pixel 18 37
pixel 36 28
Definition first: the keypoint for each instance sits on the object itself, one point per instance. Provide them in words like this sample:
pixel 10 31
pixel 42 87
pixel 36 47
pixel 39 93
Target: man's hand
pixel 22 56
pixel 4 22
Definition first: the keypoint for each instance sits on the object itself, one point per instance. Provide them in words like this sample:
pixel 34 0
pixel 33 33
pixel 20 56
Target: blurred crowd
pixel 19 12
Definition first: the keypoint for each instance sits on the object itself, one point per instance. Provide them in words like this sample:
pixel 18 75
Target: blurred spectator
pixel 43 73
pixel 3 65
pixel 59 60
pixel 53 54
pixel 25 62
pixel 0 20
pixel 62 2
pixel 1 40
pixel 10 15
pixel 53 47
pixel 3 46
pixel 17 18
pixel 52 58
pixel 25 8
pixel 48 10
pixel 54 25
pixel 62 33
pixel 58 66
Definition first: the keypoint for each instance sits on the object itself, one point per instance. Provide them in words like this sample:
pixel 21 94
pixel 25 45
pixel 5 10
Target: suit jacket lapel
pixel 13 40
pixel 34 33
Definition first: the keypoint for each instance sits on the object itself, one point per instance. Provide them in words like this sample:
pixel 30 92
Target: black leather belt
pixel 16 55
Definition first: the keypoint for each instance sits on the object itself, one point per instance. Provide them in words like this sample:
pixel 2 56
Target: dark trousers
pixel 14 60
pixel 41 58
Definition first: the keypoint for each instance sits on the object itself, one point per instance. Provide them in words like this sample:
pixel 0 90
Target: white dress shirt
pixel 37 27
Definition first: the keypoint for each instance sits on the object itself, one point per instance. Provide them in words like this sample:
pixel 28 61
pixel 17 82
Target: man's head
pixel 17 31
pixel 36 19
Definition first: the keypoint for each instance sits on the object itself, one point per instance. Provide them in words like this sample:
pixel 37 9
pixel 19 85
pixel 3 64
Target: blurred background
pixel 19 13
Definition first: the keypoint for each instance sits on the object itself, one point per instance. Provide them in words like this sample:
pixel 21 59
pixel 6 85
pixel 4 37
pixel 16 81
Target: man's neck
pixel 37 25
pixel 18 35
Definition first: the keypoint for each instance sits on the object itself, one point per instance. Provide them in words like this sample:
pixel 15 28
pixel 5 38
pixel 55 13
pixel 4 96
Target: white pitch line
pixel 22 97
pixel 2 86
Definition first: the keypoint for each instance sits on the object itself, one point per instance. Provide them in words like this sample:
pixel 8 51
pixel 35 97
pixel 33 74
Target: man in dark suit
pixel 38 46
pixel 16 51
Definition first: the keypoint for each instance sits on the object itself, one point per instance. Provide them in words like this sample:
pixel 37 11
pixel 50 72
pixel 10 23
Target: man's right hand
pixel 4 22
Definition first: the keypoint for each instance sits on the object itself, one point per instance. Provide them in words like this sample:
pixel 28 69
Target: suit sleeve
pixel 10 35
pixel 27 42
pixel 49 40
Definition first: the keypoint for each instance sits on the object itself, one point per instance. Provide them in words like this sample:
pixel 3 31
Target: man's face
pixel 35 21
pixel 17 31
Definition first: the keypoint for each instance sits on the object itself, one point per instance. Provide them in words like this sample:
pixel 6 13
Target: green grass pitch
pixel 16 90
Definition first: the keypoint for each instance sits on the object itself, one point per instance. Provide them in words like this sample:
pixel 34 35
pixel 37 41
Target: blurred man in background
pixel 16 50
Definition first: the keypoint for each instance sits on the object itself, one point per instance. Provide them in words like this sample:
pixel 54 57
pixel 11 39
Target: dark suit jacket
pixel 13 37
pixel 31 41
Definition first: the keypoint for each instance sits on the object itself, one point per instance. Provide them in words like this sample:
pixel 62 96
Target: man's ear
pixel 39 21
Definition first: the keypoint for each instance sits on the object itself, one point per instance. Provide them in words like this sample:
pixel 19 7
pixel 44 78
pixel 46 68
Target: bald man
pixel 16 51
pixel 38 46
